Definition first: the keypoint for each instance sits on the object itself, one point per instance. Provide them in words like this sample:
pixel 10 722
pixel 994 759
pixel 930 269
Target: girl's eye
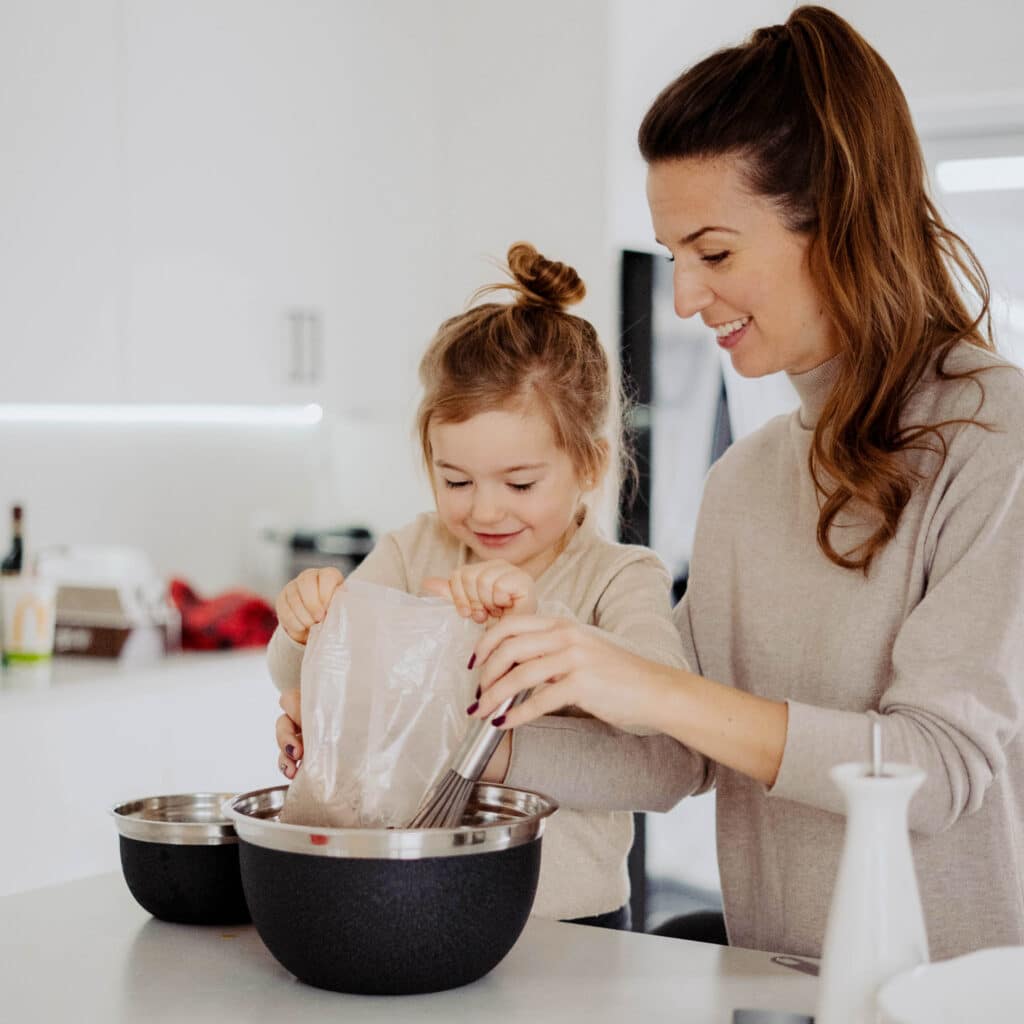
pixel 456 483
pixel 714 257
pixel 522 487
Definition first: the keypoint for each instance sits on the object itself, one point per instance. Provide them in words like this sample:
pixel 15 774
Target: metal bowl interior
pixel 497 818
pixel 180 819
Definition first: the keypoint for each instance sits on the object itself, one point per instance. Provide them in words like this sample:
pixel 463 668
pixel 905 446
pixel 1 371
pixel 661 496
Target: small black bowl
pixel 392 911
pixel 179 855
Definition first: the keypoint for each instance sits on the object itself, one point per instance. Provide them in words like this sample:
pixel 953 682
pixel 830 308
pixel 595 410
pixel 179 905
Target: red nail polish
pixel 478 691
pixel 472 707
pixel 472 661
pixel 499 721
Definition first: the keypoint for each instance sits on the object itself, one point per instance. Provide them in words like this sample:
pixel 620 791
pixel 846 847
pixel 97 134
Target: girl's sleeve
pixel 635 612
pixel 383 565
pixel 588 765
pixel 956 699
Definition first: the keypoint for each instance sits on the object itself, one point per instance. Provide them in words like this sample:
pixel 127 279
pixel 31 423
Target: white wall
pixel 526 127
pixel 455 129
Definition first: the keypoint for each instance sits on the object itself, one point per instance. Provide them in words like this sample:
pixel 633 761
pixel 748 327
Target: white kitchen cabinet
pixel 270 152
pixel 59 202
pixel 187 174
pixel 226 194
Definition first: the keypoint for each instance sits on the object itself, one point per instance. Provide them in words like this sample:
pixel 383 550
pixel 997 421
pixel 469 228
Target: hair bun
pixel 541 280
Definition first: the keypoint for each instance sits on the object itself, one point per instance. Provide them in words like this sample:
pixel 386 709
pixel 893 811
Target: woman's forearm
pixel 565 665
pixel 739 730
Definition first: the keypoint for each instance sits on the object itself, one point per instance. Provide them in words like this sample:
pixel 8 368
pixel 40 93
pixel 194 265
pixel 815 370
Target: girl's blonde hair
pixel 507 355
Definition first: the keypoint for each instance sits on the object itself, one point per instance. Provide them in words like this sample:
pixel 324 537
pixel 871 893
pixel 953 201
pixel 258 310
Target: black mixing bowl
pixel 392 911
pixel 179 855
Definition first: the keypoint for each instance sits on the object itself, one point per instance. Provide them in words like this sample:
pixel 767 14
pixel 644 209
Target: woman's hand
pixel 303 602
pixel 485 590
pixel 289 732
pixel 569 666
pixel 573 666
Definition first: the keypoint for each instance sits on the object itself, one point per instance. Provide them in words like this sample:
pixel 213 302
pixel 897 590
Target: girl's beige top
pixel 598 774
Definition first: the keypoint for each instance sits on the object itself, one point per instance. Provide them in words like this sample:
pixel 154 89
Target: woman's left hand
pixel 569 666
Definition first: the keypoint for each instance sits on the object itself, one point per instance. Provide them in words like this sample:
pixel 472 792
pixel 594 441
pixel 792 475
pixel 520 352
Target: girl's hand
pixel 303 602
pixel 487 589
pixel 289 733
pixel 569 666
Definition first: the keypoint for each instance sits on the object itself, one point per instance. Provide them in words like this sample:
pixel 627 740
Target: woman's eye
pixel 714 257
pixel 522 487
pixel 453 484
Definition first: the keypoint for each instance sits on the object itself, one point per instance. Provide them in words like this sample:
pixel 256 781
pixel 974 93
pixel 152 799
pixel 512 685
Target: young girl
pixel 515 427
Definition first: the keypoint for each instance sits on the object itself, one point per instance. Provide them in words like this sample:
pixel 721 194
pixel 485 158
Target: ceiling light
pixel 228 415
pixel 988 174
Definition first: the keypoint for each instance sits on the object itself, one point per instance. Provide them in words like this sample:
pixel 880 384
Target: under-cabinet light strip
pixel 231 415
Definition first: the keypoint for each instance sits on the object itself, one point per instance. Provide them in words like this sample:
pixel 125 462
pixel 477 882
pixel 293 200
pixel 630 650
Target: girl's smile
pixel 497 540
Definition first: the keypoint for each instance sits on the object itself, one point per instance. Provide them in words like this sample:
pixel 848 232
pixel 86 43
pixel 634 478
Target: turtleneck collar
pixel 814 386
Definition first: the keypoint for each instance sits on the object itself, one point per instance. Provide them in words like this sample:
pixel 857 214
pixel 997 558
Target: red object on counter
pixel 237 618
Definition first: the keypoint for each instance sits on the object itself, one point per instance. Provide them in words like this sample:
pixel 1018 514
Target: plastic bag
pixel 384 695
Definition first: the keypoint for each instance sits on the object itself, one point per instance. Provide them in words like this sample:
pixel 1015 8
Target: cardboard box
pixel 110 604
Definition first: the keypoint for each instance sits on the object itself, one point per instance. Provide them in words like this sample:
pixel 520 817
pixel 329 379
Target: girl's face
pixel 503 487
pixel 738 266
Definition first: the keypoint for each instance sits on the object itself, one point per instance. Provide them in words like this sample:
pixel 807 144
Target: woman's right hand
pixel 303 602
pixel 289 732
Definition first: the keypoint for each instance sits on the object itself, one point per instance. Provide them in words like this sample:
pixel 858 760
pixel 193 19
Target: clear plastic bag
pixel 384 695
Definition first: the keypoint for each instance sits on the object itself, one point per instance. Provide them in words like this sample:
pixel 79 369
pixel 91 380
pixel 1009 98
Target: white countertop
pixel 81 678
pixel 84 951
pixel 103 732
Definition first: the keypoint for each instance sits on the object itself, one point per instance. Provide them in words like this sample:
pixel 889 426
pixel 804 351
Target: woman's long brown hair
pixel 822 128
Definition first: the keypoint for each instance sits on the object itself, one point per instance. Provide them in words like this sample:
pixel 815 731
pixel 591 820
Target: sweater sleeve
pixel 589 765
pixel 956 696
pixel 383 565
pixel 635 612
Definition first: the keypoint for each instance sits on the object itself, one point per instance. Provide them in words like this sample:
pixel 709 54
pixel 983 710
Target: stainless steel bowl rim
pixel 210 830
pixel 522 822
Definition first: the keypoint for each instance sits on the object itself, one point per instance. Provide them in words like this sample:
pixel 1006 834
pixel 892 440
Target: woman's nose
pixel 690 294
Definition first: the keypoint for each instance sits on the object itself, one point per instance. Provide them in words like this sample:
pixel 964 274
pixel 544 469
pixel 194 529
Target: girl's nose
pixel 690 294
pixel 486 508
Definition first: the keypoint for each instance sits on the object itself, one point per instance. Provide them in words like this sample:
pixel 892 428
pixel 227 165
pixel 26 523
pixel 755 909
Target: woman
pixel 859 560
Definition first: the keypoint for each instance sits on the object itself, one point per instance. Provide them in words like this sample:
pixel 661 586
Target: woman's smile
pixel 730 334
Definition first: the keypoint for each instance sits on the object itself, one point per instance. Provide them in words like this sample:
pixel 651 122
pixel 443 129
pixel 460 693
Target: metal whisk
pixel 445 802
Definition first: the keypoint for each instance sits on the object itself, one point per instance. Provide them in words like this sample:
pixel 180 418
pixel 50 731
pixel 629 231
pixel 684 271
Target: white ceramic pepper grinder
pixel 875 924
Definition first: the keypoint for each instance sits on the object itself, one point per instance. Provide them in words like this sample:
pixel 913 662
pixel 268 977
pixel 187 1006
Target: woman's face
pixel 738 266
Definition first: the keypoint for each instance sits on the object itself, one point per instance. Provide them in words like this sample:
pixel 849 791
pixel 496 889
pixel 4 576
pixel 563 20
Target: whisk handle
pixel 481 741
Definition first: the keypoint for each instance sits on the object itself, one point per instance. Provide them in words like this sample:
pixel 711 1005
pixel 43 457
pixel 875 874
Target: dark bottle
pixel 11 565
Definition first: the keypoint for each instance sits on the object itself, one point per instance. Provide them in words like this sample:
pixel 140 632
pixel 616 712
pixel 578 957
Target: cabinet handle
pixel 295 346
pixel 316 347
